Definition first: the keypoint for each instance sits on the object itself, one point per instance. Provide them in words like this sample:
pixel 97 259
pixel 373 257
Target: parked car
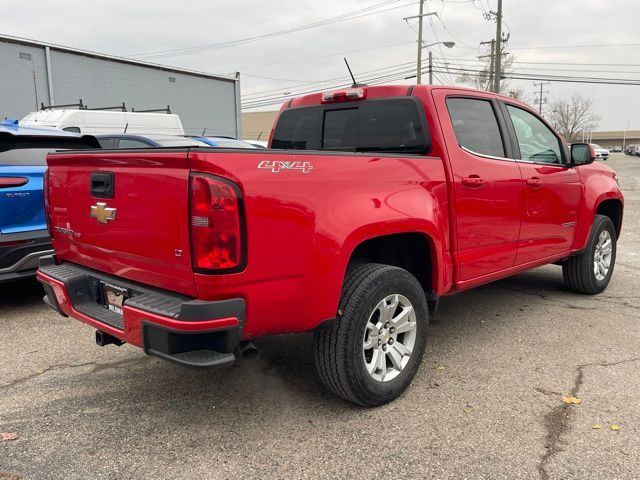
pixel 101 122
pixel 23 232
pixel 258 143
pixel 404 194
pixel 224 142
pixel 601 152
pixel 617 149
pixel 148 141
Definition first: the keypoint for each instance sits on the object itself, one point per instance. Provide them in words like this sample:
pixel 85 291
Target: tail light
pixel 217 231
pixel 45 194
pixel 13 182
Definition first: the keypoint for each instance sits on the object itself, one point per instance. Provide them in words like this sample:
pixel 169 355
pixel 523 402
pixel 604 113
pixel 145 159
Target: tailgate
pixel 21 201
pixel 124 213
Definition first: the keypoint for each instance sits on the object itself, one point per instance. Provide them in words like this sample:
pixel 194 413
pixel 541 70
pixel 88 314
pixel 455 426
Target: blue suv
pixel 23 231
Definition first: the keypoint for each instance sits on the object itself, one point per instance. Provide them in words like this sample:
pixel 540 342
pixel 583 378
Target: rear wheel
pixel 375 347
pixel 591 271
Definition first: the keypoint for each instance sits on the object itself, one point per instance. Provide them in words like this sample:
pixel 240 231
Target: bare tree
pixel 482 79
pixel 518 93
pixel 573 116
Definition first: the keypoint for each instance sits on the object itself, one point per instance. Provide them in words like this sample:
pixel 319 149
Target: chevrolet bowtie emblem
pixel 102 213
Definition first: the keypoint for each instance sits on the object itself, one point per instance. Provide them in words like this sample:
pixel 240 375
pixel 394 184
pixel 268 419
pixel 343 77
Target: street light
pixel 446 44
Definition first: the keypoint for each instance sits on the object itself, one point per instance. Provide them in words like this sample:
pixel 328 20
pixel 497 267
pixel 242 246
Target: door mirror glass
pixel 582 154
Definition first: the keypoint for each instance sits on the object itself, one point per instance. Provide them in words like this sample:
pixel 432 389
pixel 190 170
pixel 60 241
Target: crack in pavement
pixel 557 420
pixel 555 301
pixel 97 367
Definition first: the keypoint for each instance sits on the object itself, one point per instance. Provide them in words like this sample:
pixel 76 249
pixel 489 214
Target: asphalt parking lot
pixel 487 402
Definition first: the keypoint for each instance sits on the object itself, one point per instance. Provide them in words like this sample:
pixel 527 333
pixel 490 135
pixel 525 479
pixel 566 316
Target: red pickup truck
pixel 371 204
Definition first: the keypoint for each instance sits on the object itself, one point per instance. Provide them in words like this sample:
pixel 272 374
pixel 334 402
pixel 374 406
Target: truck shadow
pixel 284 367
pixel 278 391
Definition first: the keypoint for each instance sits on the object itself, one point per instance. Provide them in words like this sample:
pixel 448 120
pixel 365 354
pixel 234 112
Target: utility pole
pixel 496 87
pixel 420 16
pixel 542 92
pixel 430 68
pixel 491 57
pixel 419 62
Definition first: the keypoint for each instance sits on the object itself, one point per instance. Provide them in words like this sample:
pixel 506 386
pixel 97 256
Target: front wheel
pixel 374 349
pixel 591 271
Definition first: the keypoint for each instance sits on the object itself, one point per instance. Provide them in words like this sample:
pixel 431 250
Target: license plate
pixel 114 297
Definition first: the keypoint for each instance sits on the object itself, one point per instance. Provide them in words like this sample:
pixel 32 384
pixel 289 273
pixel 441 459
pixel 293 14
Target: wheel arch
pixel 612 208
pixel 414 251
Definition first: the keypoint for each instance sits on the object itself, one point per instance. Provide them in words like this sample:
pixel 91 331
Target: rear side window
pixel 476 126
pixel 25 156
pixel 33 151
pixel 132 143
pixel 393 126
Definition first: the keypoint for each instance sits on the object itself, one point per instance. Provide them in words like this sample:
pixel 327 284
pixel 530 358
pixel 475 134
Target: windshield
pixel 33 151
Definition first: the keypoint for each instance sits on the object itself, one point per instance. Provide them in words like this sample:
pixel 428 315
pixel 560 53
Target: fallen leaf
pixel 439 367
pixel 8 436
pixel 615 427
pixel 571 400
pixel 545 391
pixel 596 426
pixel 466 410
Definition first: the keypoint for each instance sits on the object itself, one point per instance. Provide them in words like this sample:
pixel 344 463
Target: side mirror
pixel 582 154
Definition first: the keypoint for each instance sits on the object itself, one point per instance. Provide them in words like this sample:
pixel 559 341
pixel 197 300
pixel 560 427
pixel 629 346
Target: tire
pixel 579 271
pixel 346 353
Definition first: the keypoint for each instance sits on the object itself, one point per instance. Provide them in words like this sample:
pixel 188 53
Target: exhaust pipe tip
pixel 247 349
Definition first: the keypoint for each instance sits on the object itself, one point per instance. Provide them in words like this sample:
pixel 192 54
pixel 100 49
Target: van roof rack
pixel 122 108
pixel 79 105
pixel 151 110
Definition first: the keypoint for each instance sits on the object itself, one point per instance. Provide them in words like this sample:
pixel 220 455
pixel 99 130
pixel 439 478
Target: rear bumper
pixel 189 332
pixel 21 252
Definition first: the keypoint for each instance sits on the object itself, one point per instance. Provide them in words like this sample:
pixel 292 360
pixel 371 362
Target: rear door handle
pixel 534 182
pixel 473 181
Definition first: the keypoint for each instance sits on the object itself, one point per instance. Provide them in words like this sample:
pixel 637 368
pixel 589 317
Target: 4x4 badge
pixel 102 213
pixel 276 166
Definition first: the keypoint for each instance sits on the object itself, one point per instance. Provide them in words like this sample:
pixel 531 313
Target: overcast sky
pixel 562 33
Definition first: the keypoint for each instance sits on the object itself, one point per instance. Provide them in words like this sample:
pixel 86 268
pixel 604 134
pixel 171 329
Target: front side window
pixel 476 126
pixel 536 141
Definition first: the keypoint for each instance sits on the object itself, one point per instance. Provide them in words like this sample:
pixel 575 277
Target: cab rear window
pixel 390 125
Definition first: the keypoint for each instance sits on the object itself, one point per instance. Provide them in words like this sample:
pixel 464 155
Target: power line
pixel 334 54
pixel 409 72
pixel 593 45
pixel 363 12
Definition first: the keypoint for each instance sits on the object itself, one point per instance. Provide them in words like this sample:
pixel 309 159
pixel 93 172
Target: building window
pixel 24 56
pixel 172 79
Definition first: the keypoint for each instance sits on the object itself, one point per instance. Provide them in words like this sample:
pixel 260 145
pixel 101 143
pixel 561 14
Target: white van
pixel 99 122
